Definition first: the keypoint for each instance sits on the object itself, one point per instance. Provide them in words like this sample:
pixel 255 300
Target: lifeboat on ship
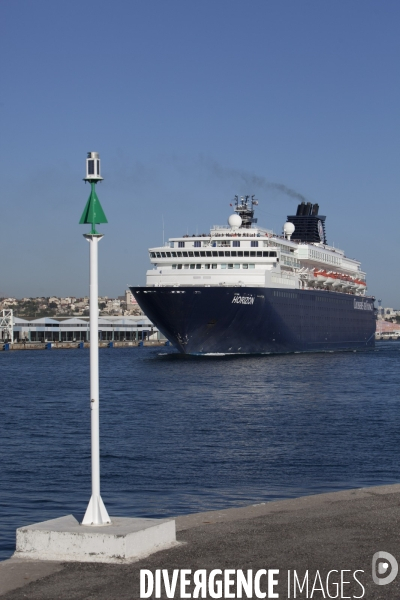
pixel 321 276
pixel 330 278
pixel 361 285
pixel 335 280
pixel 345 281
pixel 353 284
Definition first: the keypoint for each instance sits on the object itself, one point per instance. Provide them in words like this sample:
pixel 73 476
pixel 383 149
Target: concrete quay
pixel 80 345
pixel 338 532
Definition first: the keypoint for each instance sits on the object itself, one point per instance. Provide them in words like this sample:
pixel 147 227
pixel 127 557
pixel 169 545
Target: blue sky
pixel 189 103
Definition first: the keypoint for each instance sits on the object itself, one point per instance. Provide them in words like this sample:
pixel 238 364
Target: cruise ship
pixel 242 289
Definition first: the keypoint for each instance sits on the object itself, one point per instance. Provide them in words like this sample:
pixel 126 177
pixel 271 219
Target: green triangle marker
pixel 93 213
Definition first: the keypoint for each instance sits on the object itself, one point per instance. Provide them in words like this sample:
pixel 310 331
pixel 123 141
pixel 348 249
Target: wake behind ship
pixel 244 290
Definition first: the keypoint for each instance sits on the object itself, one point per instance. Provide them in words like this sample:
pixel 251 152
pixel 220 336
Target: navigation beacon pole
pixel 96 513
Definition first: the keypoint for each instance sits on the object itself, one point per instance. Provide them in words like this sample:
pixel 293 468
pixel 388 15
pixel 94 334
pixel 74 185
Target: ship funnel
pixel 300 209
pixel 310 226
pixel 315 210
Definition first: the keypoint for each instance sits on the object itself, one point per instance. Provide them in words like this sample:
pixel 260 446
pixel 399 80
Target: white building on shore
pixel 127 328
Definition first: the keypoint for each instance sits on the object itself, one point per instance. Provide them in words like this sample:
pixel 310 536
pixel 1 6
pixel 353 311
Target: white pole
pixel 96 513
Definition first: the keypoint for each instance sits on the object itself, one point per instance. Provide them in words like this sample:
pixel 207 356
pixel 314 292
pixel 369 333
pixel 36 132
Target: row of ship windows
pixel 325 257
pixel 284 294
pixel 258 254
pixel 329 299
pixel 223 266
pixel 235 244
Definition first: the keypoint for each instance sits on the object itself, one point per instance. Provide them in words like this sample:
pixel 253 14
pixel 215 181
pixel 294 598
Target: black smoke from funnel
pixel 250 179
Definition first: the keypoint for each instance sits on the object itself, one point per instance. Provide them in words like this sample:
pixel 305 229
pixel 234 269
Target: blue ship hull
pixel 204 320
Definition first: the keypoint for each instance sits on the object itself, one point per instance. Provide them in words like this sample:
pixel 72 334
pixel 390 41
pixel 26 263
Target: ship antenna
pixel 245 210
pixel 254 200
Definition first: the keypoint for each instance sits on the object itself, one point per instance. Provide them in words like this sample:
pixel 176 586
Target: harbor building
pixel 127 328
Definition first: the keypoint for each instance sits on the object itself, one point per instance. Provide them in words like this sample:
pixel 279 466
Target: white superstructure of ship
pixel 243 254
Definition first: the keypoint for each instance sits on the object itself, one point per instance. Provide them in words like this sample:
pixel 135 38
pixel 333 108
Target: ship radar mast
pixel 244 207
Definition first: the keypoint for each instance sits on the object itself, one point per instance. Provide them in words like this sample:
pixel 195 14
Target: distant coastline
pixel 70 306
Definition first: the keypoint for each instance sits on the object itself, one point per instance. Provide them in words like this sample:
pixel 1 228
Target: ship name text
pixel 243 300
pixel 362 305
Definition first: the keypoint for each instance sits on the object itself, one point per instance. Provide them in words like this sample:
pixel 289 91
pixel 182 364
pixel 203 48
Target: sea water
pixel 186 434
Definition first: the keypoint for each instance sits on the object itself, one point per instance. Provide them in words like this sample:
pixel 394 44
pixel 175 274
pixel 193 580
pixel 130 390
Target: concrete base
pixel 125 540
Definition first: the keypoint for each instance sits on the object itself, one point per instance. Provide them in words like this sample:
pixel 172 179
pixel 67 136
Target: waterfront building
pixel 127 328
